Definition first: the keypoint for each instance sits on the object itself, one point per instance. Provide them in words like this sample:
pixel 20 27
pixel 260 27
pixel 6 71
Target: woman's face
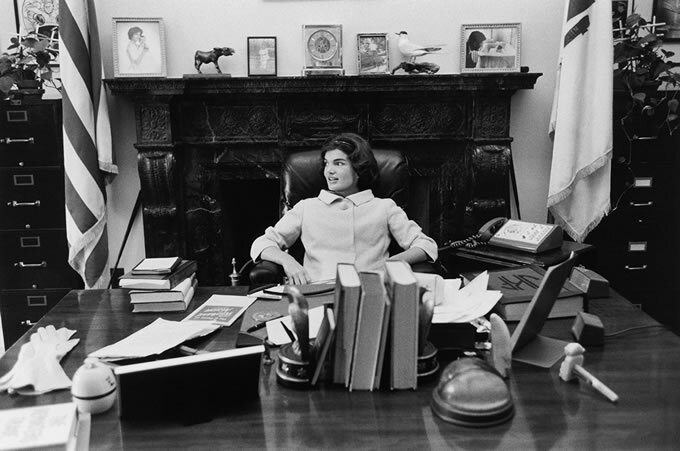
pixel 340 175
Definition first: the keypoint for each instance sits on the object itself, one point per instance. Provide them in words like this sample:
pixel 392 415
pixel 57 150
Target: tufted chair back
pixel 302 177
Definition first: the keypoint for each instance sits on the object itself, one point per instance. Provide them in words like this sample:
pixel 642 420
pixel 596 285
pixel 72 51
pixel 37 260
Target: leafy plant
pixel 28 58
pixel 642 67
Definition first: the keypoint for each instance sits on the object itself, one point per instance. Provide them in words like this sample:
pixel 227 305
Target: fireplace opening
pixel 249 207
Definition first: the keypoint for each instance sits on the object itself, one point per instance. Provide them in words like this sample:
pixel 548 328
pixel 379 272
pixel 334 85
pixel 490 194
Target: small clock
pixel 323 49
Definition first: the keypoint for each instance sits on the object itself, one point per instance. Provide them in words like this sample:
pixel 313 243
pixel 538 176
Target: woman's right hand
pixel 296 273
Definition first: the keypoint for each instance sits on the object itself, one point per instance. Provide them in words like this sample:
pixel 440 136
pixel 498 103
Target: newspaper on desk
pixel 154 339
pixel 454 304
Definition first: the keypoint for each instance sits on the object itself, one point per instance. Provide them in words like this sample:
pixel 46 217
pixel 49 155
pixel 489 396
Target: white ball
pixel 94 387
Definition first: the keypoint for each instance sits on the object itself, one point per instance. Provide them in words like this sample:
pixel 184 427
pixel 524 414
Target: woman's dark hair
pixel 133 30
pixel 360 156
pixel 475 40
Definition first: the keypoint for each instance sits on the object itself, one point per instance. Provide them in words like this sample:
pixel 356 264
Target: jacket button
pixel 344 206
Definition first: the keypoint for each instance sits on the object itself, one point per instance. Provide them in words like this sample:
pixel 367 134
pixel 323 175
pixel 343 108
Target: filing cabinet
pixel 638 245
pixel 34 269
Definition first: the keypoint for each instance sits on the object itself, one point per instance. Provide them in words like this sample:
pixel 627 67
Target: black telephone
pixel 516 235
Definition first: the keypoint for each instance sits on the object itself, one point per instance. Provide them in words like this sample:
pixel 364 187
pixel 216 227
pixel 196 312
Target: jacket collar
pixel 357 199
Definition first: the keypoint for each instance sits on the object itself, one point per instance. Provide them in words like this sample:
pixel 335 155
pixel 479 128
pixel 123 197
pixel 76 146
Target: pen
pixel 262 287
pixel 186 350
pixel 261 324
pixel 289 332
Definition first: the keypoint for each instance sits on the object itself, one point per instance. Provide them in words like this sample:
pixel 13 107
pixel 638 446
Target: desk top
pixel 642 366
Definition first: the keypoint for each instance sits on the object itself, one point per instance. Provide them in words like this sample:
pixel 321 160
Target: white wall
pixel 202 24
pixel 209 23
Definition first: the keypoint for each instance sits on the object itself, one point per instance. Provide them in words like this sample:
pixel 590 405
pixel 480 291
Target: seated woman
pixel 344 224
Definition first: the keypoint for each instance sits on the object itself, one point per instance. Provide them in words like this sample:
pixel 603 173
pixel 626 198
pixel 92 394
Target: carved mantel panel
pixel 196 135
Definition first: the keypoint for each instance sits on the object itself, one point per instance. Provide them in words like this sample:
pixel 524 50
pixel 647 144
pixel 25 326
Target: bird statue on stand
pixel 410 50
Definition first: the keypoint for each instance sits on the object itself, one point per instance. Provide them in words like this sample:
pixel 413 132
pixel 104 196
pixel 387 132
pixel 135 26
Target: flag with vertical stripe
pixel 88 155
pixel 581 119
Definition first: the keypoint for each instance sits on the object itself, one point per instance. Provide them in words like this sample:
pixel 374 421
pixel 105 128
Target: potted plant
pixel 25 66
pixel 642 68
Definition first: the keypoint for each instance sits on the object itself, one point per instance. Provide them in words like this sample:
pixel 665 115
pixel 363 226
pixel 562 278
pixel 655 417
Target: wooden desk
pixel 642 366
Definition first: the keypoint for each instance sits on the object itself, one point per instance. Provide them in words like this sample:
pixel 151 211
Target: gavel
pixel 572 366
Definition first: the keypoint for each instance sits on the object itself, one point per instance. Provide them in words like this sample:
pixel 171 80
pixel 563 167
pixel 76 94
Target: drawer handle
pixel 636 268
pixel 30 140
pixel 14 204
pixel 42 264
pixel 645 204
pixel 28 322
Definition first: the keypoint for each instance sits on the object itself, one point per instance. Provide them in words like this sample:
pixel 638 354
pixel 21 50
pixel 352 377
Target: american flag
pixel 581 119
pixel 88 156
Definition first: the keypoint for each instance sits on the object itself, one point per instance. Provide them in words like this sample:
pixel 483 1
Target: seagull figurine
pixel 298 310
pixel 410 50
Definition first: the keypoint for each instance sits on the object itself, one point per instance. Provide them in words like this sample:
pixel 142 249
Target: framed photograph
pixel 323 49
pixel 620 10
pixel 262 56
pixel 490 47
pixel 30 15
pixel 373 53
pixel 138 47
pixel 668 11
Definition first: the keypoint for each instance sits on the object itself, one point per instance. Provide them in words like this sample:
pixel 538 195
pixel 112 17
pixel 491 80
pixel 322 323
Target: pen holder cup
pixel 291 370
pixel 428 364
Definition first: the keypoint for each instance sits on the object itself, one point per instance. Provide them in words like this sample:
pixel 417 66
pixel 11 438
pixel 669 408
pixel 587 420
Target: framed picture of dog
pixel 262 56
pixel 139 47
pixel 373 53
pixel 490 47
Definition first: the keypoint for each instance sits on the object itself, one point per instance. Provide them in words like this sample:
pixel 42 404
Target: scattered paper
pixel 278 335
pixel 154 339
pixel 461 305
pixel 221 309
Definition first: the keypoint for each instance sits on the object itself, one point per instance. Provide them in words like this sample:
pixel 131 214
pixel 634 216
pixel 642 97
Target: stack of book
pixel 376 342
pixel 161 284
pixel 519 285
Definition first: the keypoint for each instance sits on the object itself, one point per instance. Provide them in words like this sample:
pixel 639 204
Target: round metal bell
pixel 470 392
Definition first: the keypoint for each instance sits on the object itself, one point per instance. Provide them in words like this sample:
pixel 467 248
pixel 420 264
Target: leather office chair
pixel 302 177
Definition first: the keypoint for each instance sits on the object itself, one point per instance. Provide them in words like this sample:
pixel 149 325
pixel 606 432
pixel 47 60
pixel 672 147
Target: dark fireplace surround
pixel 199 138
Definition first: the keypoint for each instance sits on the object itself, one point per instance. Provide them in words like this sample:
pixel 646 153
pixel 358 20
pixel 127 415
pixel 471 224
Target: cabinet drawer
pixel 23 308
pixel 31 198
pixel 30 135
pixel 35 259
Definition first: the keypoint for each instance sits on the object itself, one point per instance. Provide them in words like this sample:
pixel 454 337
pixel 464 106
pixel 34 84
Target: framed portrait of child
pixel 138 47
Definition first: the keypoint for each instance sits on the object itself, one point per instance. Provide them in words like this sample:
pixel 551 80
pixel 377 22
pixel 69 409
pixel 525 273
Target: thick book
pixel 191 388
pixel 175 305
pixel 177 293
pixel 159 281
pixel 519 285
pixel 156 265
pixel 373 307
pixel 383 353
pixel 403 290
pixel 346 304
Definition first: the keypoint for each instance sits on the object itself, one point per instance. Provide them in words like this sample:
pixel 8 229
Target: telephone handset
pixel 516 235
pixel 490 228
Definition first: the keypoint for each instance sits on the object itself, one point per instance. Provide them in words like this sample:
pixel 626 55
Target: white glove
pixel 37 369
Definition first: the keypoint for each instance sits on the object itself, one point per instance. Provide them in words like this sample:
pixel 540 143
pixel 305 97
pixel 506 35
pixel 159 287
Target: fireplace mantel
pixel 194 133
